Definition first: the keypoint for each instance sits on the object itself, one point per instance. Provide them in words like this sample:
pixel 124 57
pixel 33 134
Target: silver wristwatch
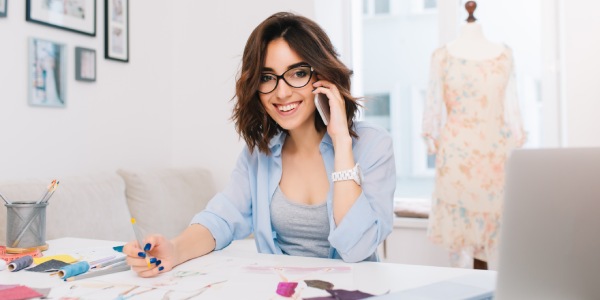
pixel 352 174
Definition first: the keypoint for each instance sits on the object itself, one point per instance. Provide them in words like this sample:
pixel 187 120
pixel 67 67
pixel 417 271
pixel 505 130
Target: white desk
pixel 370 277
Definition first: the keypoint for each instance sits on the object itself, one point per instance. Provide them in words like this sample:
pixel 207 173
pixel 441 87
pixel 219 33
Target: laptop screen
pixel 550 234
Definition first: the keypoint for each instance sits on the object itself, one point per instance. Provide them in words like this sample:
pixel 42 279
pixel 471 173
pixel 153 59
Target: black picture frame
pixel 3 8
pixel 79 16
pixel 116 30
pixel 85 64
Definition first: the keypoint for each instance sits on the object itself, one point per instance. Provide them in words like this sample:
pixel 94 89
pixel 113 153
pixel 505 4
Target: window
pixel 376 7
pixel 395 54
pixel 377 109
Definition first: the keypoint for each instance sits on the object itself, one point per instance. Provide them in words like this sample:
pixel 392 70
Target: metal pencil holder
pixel 26 224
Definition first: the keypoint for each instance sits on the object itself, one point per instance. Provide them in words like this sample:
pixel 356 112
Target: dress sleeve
pixel 512 112
pixel 434 112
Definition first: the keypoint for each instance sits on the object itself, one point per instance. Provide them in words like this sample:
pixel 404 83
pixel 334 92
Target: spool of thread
pixel 20 263
pixel 74 269
pixel 286 289
pixel 2 265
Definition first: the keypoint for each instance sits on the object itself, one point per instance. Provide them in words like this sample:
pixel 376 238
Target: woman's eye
pixel 266 77
pixel 300 74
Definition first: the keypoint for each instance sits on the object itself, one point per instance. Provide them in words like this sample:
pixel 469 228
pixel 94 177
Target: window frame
pixel 450 16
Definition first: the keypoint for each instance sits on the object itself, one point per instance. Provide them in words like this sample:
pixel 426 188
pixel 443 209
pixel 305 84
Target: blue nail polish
pixel 153 260
pixel 147 247
pixel 158 262
pixel 142 254
pixel 161 268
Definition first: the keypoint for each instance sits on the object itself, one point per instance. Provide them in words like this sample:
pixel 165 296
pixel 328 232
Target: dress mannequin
pixel 472 44
pixel 471 122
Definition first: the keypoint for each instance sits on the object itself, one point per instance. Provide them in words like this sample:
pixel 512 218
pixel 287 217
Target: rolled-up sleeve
pixel 228 215
pixel 369 221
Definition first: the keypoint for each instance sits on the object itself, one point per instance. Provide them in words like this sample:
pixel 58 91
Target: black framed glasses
pixel 296 77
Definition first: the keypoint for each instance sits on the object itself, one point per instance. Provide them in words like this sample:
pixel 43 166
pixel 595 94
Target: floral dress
pixel 471 122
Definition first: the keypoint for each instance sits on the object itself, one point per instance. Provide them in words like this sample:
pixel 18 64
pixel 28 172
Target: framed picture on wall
pixel 116 30
pixel 3 7
pixel 74 15
pixel 47 73
pixel 85 64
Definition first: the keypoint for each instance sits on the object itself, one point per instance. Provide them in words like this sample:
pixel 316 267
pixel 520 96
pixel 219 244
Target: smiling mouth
pixel 287 107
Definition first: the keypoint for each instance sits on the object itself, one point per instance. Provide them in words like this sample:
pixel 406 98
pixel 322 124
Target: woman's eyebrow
pixel 267 69
pixel 297 65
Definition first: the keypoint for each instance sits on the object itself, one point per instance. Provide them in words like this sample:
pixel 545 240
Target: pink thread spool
pixel 286 289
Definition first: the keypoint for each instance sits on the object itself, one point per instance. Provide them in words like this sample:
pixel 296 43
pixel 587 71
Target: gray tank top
pixel 301 229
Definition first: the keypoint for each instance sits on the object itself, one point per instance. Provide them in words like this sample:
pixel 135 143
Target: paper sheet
pixel 235 278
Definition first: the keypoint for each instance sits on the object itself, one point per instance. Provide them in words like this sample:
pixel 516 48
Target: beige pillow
pixel 165 200
pixel 87 206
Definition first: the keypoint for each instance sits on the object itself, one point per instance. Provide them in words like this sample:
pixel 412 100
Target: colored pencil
pixel 52 190
pixel 100 272
pixel 5 199
pixel 140 238
pixel 109 263
pixel 47 192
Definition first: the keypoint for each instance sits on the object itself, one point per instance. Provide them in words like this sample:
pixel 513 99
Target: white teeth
pixel 288 107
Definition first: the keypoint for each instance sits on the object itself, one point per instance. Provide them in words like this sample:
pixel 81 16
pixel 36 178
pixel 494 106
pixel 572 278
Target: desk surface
pixel 370 277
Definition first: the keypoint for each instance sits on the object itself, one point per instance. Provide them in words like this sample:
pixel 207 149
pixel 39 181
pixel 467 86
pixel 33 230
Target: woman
pixel 301 187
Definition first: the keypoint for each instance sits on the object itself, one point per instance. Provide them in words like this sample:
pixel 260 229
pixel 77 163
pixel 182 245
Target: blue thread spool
pixel 74 269
pixel 20 263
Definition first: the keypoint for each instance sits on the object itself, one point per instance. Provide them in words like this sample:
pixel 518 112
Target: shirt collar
pixel 276 143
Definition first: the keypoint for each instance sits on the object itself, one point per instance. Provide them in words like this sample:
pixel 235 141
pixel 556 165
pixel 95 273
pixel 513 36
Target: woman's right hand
pixel 156 255
pixel 162 254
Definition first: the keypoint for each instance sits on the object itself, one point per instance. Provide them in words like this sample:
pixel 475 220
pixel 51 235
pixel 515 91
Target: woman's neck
pixel 304 140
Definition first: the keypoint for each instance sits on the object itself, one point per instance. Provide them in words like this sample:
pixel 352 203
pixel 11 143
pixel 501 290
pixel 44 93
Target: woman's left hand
pixel 338 123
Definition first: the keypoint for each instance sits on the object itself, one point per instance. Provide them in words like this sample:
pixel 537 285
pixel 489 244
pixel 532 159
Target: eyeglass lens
pixel 296 77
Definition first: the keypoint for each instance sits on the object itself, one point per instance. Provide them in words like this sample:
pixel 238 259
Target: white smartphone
pixel 322 104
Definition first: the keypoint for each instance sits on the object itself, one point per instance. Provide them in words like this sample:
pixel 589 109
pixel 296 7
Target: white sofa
pixel 100 205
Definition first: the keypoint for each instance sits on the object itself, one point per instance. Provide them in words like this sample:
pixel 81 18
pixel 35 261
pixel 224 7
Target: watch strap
pixel 351 174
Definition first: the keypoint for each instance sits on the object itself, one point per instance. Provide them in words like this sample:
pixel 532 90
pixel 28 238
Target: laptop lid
pixel 550 235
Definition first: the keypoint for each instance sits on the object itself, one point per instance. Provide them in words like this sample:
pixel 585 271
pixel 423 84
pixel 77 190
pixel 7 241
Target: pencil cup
pixel 25 225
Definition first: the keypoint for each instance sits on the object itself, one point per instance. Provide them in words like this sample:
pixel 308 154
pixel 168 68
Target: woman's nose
pixel 283 90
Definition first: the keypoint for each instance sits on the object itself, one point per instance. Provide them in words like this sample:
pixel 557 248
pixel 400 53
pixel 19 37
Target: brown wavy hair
pixel 312 44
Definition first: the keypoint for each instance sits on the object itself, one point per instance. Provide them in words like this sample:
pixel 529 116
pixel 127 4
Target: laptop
pixel 550 236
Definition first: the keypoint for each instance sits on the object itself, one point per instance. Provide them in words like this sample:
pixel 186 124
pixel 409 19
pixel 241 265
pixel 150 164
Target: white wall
pixel 208 42
pixel 122 119
pixel 581 65
pixel 168 106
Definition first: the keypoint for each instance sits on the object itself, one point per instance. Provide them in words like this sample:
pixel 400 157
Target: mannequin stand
pixel 479 264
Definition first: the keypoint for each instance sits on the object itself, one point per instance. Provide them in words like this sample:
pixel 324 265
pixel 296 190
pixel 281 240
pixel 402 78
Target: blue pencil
pixel 105 271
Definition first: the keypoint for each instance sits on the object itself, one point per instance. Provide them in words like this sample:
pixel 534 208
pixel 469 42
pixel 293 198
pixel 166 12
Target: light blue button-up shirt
pixel 243 206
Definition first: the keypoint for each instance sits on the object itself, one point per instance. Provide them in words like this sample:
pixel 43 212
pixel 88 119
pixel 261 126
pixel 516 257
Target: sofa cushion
pixel 86 206
pixel 165 200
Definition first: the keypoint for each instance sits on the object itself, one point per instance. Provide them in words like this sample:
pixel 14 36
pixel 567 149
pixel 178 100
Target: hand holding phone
pixel 322 104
